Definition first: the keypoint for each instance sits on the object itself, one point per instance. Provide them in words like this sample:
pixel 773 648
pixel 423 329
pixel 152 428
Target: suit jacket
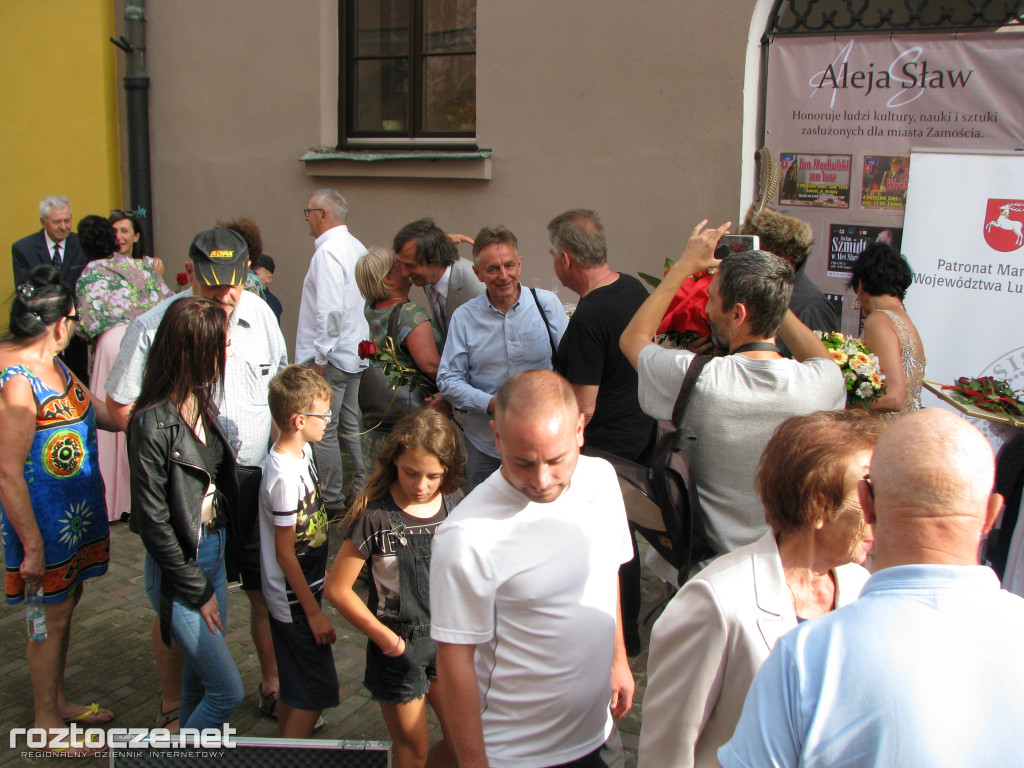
pixel 30 252
pixel 708 645
pixel 463 285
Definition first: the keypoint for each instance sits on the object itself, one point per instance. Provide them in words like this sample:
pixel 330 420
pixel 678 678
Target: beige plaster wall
pixel 634 109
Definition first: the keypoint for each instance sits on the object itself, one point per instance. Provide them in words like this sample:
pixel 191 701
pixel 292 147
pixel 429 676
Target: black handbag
pixel 661 498
pixel 379 402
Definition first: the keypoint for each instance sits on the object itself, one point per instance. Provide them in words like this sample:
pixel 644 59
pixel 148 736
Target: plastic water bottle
pixel 35 613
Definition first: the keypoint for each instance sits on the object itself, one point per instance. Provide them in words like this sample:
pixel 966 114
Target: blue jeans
pixel 479 465
pixel 211 685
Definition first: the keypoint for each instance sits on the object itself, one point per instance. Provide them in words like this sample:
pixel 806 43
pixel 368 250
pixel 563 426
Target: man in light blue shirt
pixel 502 332
pixel 925 668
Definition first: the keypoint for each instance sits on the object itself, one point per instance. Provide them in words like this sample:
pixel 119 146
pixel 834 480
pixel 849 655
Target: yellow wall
pixel 59 130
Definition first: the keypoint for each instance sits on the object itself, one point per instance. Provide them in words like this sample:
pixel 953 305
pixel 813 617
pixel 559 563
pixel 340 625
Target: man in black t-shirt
pixel 589 357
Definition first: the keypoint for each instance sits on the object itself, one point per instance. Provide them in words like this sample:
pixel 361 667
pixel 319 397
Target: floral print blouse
pixel 117 290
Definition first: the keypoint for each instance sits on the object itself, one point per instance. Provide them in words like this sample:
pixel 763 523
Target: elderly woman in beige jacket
pixel 719 628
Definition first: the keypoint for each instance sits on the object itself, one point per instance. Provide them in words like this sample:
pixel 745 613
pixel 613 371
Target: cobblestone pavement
pixel 111 661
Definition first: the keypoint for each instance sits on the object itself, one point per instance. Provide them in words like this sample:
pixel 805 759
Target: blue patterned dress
pixel 64 484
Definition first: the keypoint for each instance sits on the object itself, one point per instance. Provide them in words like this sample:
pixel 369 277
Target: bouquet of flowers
pixel 988 394
pixel 864 381
pixel 396 372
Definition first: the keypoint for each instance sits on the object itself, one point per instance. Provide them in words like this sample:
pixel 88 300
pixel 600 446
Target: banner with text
pixel 842 114
pixel 965 242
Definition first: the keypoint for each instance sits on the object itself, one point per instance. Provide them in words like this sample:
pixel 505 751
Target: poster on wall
pixel 846 241
pixel 871 99
pixel 965 243
pixel 884 181
pixel 818 180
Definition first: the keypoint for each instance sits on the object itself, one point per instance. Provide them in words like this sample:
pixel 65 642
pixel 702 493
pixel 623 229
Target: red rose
pixel 182 278
pixel 367 348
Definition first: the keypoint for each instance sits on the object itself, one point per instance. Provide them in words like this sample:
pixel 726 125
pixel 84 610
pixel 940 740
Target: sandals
pixel 268 703
pixel 93 715
pixel 166 718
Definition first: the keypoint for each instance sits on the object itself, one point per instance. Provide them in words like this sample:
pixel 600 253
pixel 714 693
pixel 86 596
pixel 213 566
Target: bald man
pixel 925 669
pixel 523 594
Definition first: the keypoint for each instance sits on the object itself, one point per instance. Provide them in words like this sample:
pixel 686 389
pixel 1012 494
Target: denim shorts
pixel 307 676
pixel 396 679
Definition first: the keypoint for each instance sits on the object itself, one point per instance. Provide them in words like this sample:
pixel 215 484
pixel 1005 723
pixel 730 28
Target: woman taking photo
pixel 881 277
pixel 719 628
pixel 183 494
pixel 54 520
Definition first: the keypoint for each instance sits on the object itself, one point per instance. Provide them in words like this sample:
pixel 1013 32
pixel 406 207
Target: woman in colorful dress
pixel 112 291
pixel 54 519
pixel 881 277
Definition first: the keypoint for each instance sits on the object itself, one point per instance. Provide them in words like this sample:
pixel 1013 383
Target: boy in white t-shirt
pixel 293 541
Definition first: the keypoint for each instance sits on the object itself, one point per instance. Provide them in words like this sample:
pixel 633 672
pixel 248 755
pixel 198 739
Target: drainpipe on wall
pixel 136 86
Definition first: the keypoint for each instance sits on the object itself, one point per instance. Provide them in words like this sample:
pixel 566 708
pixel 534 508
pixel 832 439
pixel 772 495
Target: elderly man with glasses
pixel 330 326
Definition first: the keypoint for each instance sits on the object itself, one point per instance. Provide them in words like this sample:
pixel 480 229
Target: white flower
pixel 849 375
pixel 819 334
pixel 865 390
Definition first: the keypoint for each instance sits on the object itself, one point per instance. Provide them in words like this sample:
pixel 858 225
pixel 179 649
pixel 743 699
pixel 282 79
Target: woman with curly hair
pixel 880 279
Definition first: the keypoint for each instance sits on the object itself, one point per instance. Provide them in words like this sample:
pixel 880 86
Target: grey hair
pixel 489 236
pixel 333 202
pixel 580 233
pixel 371 270
pixel 52 202
pixel 760 281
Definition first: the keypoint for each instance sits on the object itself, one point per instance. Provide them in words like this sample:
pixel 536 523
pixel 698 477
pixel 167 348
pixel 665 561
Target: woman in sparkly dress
pixel 880 279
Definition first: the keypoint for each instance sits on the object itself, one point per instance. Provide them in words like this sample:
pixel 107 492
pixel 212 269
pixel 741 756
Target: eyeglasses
pixel 325 416
pixel 307 211
pixel 75 318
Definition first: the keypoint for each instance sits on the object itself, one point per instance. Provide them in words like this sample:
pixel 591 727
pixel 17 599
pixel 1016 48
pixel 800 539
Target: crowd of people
pixel 502 571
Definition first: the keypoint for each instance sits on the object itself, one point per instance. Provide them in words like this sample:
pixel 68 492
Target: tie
pixel 56 255
pixel 438 306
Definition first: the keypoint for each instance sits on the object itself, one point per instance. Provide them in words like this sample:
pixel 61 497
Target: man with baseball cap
pixel 219 263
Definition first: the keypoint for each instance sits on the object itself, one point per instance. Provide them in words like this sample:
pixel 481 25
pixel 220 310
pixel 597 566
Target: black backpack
pixel 661 498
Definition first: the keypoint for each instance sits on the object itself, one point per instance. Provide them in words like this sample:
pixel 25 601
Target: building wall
pixel 60 131
pixel 633 109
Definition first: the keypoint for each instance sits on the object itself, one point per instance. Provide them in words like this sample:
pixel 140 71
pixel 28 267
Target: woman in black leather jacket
pixel 183 495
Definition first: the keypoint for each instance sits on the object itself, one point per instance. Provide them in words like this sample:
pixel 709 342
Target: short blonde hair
pixel 371 270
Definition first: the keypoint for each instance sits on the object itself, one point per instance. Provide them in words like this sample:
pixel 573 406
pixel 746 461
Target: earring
pixel 856 302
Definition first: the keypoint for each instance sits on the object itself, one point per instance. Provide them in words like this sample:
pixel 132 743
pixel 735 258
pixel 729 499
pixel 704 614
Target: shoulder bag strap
pixel 689 381
pixel 547 326
pixel 393 324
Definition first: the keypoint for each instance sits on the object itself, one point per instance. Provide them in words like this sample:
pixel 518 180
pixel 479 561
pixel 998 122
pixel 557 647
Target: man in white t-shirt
pixel 523 594
pixel 741 398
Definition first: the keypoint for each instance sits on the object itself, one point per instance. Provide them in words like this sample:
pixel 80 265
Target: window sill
pixel 399 163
